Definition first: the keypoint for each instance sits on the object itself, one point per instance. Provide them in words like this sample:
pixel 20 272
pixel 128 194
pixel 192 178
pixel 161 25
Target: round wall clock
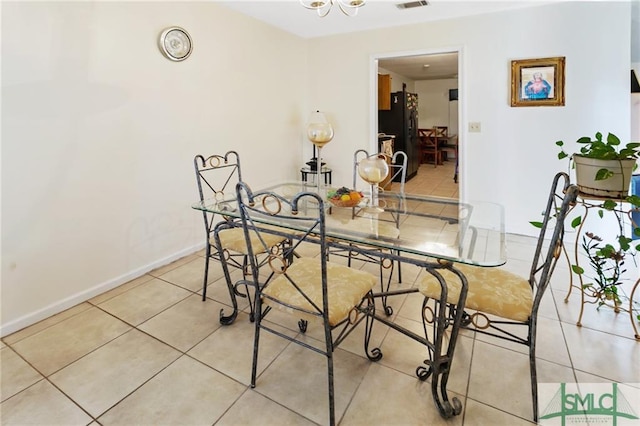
pixel 175 43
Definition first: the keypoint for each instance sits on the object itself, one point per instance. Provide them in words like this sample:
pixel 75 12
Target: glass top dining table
pixel 414 225
pixel 434 233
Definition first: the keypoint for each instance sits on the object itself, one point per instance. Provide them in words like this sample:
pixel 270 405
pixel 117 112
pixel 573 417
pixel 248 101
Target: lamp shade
pixel 373 169
pixel 319 130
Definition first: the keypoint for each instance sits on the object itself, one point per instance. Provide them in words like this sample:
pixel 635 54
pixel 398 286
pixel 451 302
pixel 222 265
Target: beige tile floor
pixel 151 352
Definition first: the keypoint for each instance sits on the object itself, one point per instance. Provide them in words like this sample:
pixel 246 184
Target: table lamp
pixel 320 133
pixel 373 170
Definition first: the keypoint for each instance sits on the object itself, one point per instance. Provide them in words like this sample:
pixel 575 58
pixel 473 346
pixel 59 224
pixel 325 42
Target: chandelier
pixel 323 7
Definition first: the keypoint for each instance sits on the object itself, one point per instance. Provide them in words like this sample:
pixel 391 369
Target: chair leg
pixel 245 269
pixel 256 342
pixel 328 352
pixel 374 354
pixel 399 269
pixel 206 271
pixel 227 319
pixel 332 402
pixel 532 368
pixel 388 310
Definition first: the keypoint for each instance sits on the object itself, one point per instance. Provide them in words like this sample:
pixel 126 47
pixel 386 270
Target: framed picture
pixel 537 82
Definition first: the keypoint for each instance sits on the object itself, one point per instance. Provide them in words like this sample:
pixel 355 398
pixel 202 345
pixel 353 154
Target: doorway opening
pixel 425 86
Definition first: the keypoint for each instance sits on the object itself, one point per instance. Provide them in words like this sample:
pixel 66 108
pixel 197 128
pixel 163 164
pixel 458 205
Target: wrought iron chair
pixel 397 172
pixel 505 302
pixel 311 288
pixel 224 241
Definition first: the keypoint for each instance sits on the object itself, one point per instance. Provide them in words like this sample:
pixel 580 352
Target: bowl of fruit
pixel 344 197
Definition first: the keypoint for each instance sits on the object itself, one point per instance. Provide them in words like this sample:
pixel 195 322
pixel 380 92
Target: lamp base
pixel 313 164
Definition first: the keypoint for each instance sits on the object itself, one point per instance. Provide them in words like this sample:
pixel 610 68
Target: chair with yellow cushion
pixel 500 303
pixel 334 296
pixel 216 176
pixel 395 182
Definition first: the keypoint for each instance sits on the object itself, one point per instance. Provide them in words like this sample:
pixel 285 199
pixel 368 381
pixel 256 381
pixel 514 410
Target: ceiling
pixel 290 16
pixel 428 67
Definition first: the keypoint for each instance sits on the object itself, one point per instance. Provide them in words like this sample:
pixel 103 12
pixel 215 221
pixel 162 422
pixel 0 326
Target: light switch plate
pixel 474 126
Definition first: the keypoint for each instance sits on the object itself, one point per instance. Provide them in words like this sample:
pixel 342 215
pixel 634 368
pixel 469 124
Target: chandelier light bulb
pixel 323 7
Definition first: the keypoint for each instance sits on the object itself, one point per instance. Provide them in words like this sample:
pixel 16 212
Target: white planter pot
pixel 615 187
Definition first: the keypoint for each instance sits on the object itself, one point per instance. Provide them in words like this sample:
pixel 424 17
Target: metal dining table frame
pixel 438 366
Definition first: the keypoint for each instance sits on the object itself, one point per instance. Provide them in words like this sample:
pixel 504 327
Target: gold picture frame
pixel 537 82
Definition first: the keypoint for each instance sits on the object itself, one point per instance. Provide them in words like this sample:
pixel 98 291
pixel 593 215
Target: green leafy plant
pixel 608 264
pixel 606 257
pixel 609 149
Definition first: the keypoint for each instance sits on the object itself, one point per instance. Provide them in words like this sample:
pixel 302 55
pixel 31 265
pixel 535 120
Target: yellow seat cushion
pixel 233 239
pixel 345 287
pixel 491 290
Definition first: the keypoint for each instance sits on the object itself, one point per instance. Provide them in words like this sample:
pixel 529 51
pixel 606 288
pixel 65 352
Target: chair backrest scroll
pixel 562 198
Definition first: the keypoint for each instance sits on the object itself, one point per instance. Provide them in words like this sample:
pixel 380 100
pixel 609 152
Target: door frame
pixel 373 105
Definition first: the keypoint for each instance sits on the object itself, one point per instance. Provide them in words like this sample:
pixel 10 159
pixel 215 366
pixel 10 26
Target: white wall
pixel 514 158
pixel 99 132
pixel 433 104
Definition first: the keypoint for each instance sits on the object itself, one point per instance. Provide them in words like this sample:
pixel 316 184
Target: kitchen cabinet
pixel 384 92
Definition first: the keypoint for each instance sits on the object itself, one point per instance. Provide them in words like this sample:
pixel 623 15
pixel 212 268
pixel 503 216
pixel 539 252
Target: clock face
pixel 175 44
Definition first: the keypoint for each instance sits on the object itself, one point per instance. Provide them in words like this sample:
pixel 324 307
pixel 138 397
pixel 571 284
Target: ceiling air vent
pixel 412 4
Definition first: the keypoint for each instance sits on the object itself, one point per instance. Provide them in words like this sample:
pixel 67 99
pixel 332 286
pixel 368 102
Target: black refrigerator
pixel 402 121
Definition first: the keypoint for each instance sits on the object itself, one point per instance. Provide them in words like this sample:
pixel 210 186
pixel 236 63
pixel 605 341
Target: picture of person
pixel 537 82
pixel 537 87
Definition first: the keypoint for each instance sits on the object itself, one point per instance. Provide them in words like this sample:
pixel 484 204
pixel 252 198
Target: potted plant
pixel 603 167
pixel 603 173
pixel 607 261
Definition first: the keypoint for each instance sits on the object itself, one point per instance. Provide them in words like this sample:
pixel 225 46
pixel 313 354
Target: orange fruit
pixel 355 195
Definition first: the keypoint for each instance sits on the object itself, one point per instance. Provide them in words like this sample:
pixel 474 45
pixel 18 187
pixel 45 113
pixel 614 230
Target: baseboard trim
pixel 71 301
